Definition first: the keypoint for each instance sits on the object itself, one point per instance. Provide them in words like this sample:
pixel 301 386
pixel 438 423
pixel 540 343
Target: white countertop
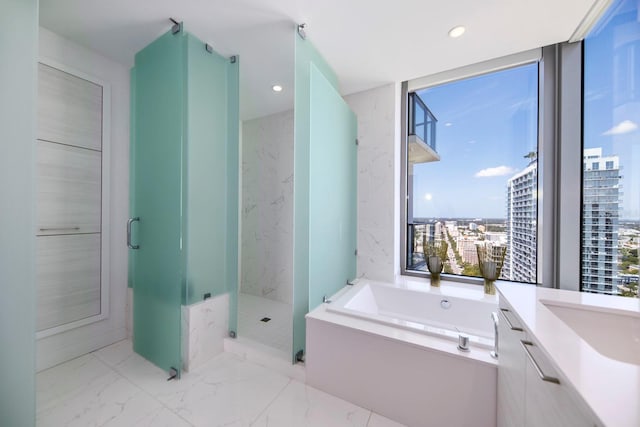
pixel 610 387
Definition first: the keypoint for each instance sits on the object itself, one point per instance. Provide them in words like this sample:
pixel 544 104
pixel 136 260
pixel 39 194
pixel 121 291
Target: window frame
pixel 548 74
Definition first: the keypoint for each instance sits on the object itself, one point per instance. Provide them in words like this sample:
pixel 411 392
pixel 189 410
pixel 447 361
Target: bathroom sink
pixel 614 334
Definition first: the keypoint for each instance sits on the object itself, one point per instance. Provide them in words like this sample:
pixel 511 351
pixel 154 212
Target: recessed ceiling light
pixel 276 88
pixel 456 32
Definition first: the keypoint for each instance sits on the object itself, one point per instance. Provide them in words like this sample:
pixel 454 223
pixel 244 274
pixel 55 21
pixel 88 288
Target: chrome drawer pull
pixel 513 328
pixel 541 374
pixel 60 229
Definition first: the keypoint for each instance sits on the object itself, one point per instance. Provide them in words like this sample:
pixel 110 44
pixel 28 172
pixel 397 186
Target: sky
pixel 487 124
pixel 612 96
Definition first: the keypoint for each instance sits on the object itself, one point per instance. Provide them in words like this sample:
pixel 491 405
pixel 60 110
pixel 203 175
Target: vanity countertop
pixel 610 386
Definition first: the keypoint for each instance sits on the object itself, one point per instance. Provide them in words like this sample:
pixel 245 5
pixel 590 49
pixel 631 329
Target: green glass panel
pixel 19 52
pixel 306 58
pixel 158 155
pixel 233 187
pixel 206 172
pixel 332 190
pixel 132 169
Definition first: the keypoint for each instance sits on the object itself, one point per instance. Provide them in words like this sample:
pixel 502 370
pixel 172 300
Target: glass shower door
pixel 158 262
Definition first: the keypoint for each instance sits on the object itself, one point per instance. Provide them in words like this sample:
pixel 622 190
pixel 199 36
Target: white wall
pixel 58 348
pixel 267 207
pixel 378 181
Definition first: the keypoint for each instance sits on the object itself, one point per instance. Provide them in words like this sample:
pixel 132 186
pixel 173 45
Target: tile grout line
pixel 113 368
pixel 369 419
pixel 270 403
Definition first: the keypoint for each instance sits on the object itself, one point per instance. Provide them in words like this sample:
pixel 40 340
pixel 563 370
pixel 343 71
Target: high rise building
pixel 601 207
pixel 522 212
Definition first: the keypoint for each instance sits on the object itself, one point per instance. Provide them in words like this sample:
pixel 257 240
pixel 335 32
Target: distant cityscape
pixel 609 244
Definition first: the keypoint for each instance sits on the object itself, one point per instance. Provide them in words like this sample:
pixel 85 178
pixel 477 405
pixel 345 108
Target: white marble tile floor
pixel 276 333
pixel 116 387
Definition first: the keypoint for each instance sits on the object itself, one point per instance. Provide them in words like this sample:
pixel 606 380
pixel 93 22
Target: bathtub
pixel 392 348
pixel 446 312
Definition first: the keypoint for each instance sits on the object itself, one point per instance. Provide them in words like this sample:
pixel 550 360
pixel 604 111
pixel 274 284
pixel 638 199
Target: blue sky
pixel 612 97
pixel 488 123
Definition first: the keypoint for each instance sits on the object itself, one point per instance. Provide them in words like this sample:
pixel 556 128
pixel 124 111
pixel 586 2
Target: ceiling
pixel 368 43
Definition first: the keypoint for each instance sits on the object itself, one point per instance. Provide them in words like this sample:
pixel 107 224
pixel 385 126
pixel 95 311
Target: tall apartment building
pixel 601 207
pixel 522 212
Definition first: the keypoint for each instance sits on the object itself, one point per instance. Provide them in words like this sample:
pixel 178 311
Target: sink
pixel 614 334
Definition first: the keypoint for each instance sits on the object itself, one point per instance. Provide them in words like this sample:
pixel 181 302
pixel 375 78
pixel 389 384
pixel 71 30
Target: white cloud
pixel 448 124
pixel 625 126
pixel 497 171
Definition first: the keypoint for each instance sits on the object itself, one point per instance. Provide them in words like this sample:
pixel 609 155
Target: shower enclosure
pixel 298 213
pixel 275 231
pixel 181 235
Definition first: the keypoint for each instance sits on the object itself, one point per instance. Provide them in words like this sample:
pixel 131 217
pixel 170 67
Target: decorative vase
pixel 490 262
pixel 435 280
pixel 489 287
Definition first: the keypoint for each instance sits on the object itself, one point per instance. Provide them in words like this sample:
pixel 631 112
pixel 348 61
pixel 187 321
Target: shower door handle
pixel 129 222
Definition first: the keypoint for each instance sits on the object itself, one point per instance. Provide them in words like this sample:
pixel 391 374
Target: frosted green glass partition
pixel 332 191
pixel 18 74
pixel 324 187
pixel 158 263
pixel 210 173
pixel 184 188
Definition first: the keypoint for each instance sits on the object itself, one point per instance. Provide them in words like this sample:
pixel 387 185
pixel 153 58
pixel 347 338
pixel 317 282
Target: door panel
pixel 68 278
pixel 69 189
pixel 69 109
pixel 157 154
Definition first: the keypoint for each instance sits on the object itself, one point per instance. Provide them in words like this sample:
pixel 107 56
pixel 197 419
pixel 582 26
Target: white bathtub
pixel 393 349
pixel 446 312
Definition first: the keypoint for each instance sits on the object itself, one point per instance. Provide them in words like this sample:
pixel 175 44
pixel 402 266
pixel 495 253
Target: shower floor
pixel 277 332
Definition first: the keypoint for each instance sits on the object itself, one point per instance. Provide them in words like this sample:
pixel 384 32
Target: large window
pixel 472 171
pixel 611 153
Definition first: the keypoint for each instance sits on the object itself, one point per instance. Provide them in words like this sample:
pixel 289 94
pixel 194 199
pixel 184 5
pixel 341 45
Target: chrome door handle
pixel 542 375
pixel 129 222
pixel 504 314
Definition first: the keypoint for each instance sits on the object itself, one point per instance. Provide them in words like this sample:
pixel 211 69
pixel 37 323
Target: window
pixel 479 181
pixel 611 116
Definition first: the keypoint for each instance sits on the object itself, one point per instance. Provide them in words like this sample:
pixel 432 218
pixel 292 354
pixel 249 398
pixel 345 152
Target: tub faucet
pixel 494 317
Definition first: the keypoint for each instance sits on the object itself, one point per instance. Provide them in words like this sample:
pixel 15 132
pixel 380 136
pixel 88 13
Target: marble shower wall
pixel 267 207
pixel 378 185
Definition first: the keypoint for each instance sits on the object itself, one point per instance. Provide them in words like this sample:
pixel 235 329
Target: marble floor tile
pixel 115 353
pixel 116 387
pixel 60 383
pixel 300 405
pixel 380 421
pixel 227 391
pixel 109 400
pixel 163 418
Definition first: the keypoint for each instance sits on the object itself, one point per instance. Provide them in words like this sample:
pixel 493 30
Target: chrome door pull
pixel 542 375
pixel 129 222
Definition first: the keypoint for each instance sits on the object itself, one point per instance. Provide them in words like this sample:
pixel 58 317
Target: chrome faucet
pixel 494 317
